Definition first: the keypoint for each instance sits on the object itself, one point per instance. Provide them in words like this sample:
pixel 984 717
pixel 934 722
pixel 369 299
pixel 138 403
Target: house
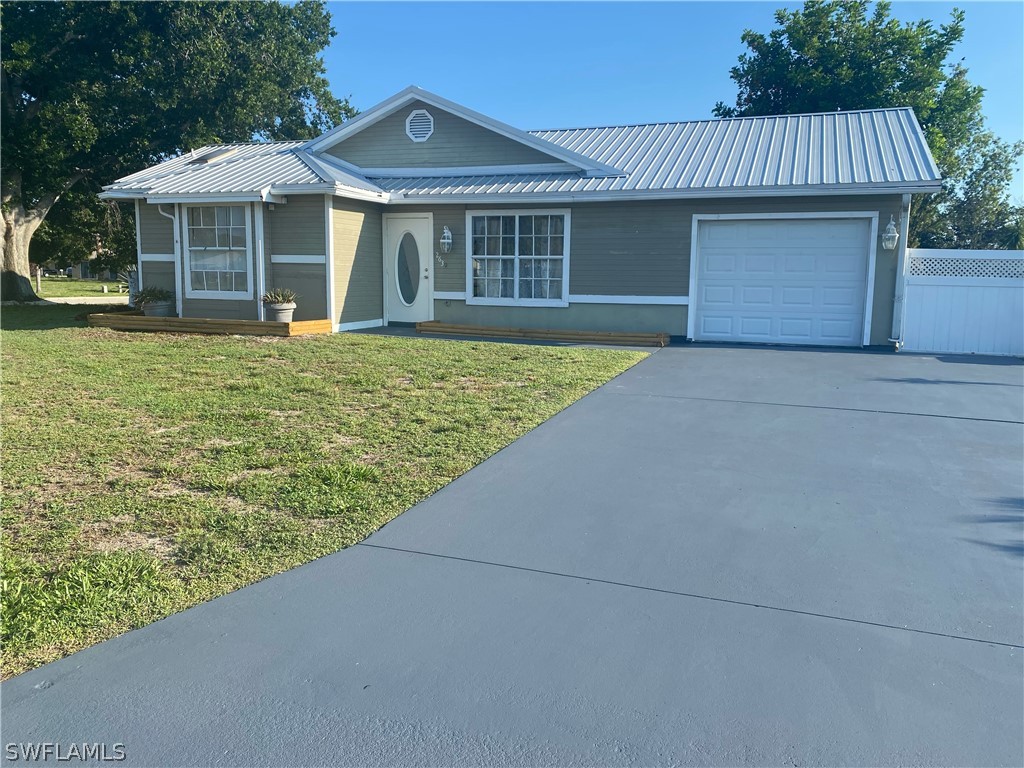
pixel 787 229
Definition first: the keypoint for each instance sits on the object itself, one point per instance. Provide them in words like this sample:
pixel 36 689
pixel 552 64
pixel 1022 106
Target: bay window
pixel 517 257
pixel 218 252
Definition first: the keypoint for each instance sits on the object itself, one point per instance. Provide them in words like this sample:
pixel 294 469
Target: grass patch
pixel 144 473
pixel 64 287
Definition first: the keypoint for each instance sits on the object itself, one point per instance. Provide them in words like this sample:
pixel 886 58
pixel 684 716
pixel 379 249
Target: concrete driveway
pixel 724 556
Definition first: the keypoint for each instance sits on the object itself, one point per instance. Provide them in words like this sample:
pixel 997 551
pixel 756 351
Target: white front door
pixel 408 267
pixel 782 281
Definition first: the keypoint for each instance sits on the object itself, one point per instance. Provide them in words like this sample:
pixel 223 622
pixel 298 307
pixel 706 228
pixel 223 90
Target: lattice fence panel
pixel 931 266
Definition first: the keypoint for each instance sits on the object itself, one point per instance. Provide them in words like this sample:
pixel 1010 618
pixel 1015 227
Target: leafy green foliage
pixel 93 91
pixel 836 55
pixel 173 468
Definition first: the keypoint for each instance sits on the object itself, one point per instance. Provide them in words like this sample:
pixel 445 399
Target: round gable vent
pixel 419 125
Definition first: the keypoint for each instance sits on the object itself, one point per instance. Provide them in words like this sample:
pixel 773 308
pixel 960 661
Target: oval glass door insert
pixel 407 269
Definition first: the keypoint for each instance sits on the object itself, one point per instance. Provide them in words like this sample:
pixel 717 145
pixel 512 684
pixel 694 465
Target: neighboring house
pixel 766 229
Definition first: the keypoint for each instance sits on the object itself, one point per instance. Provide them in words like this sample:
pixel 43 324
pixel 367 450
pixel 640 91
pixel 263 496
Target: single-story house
pixel 788 229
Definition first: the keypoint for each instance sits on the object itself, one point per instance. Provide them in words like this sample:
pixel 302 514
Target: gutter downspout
pixel 178 287
pixel 899 307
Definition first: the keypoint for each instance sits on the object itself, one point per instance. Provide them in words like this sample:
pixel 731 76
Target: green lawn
pixel 61 287
pixel 144 473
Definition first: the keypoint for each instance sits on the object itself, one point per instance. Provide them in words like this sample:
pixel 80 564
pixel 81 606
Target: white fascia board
pixel 353 193
pixel 412 93
pixel 204 197
pixel 122 194
pixel 398 198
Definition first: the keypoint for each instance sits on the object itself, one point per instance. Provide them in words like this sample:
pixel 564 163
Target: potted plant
pixel 280 304
pixel 155 302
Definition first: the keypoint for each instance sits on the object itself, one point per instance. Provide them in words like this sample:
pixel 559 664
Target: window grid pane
pixel 505 251
pixel 217 248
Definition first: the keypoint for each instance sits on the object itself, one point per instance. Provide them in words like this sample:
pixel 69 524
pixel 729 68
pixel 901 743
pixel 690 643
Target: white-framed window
pixel 218 254
pixel 518 257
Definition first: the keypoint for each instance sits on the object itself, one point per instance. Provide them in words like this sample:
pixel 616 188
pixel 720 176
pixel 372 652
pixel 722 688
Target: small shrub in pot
pixel 280 304
pixel 156 302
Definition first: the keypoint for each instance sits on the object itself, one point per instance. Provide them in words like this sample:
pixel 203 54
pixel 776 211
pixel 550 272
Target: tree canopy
pixel 841 55
pixel 93 91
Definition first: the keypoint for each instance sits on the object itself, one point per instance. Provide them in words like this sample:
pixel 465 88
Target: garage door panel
pixel 836 298
pixel 716 326
pixel 798 281
pixel 796 328
pixel 757 295
pixel 797 296
pixel 753 326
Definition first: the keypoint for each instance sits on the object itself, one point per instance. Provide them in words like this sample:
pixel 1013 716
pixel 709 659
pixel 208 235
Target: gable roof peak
pixel 588 166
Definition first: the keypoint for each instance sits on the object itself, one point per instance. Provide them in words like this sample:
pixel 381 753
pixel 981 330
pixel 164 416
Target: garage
pixel 783 278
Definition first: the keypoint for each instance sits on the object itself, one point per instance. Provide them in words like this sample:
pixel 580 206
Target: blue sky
pixel 555 65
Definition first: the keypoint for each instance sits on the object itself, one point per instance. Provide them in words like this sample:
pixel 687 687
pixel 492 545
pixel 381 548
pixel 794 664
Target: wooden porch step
pixel 547 334
pixel 129 321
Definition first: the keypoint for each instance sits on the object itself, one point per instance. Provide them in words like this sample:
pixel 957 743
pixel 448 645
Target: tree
pixel 83 228
pixel 834 55
pixel 93 91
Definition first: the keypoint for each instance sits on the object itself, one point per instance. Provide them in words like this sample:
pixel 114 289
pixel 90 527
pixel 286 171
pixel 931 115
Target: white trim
pixel 517 212
pixel 450 295
pixel 955 253
pixel 203 199
pixel 674 301
pixel 329 256
pixel 261 279
pixel 138 246
pixel 179 272
pixel 467 170
pixel 563 198
pixel 412 93
pixel 298 258
pixel 408 125
pixel 359 325
pixel 869 297
pixel 899 309
pixel 249 276
pixel 869 292
pixel 426 258
pixel 157 256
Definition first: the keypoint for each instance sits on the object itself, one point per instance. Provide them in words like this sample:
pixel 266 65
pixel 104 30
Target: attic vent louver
pixel 419 125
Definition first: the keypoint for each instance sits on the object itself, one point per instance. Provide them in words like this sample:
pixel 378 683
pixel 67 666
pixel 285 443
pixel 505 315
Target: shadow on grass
pixel 46 317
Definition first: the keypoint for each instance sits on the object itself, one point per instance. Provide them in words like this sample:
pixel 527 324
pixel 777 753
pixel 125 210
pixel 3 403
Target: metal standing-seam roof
pixel 882 148
pixel 243 169
pixel 864 151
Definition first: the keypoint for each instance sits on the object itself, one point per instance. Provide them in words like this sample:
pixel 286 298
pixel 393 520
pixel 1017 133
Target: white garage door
pixel 782 281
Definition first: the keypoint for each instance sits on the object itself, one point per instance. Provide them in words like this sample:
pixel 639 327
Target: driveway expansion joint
pixel 695 596
pixel 812 407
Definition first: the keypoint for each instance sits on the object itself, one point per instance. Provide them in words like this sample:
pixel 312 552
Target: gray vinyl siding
pixel 358 261
pixel 307 280
pixel 643 249
pixel 455 142
pixel 576 317
pixel 297 227
pixel 156 232
pixel 158 274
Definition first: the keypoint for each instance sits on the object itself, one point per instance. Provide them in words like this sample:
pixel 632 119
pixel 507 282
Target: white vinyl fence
pixel 964 302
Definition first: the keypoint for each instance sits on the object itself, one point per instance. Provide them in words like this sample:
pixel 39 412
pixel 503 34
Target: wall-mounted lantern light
pixel 891 235
pixel 446 240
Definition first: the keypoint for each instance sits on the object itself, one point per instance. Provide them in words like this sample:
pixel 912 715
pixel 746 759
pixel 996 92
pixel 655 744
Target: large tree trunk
pixel 19 226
